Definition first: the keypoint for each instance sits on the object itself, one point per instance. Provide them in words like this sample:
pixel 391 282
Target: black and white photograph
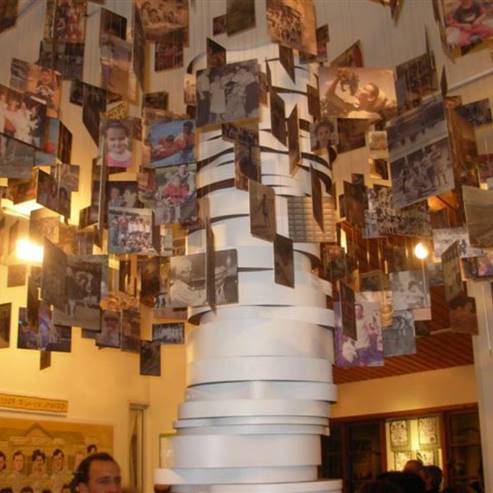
pixel 226 277
pixel 293 141
pixel 247 164
pixel 83 279
pixel 53 289
pixel 357 93
pixel 150 358
pixel 283 261
pixel 66 58
pixel 292 24
pixel 286 58
pixel 462 315
pixel 130 230
pixel 160 17
pixel 410 289
pixel 168 50
pixel 476 113
pixel 169 333
pixel 355 201
pixel 278 117
pixel 16 158
pixel 130 330
pixel 5 319
pixel 400 339
pixel 452 274
pixel 110 334
pixel 444 237
pixel 149 280
pixel 262 210
pixel 40 82
pixel 323 134
pixel 228 93
pixel 377 144
pixel 478 207
pixel 348 310
pixel 422 173
pixel 216 54
pixel 240 16
pixel 187 280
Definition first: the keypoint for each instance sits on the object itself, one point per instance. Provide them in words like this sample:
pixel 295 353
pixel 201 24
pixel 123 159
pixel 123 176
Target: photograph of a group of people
pixel 476 113
pixel 160 17
pixel 292 23
pixel 53 194
pixel 467 22
pixel 122 194
pixel 357 93
pixel 400 338
pixel 228 93
pixel 129 230
pixel 422 173
pixel 41 82
pixel 21 116
pixel 69 21
pixel 187 279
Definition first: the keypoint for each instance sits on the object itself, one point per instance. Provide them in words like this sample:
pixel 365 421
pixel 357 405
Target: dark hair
pixel 27 489
pixel 6 490
pixel 58 451
pixel 435 474
pixel 324 123
pixel 116 124
pixel 2 455
pixel 379 486
pixel 408 482
pixel 16 453
pixel 82 473
pixel 188 124
pixel 375 89
pixel 38 453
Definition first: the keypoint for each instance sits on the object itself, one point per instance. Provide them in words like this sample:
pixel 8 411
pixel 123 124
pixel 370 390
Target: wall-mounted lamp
pixel 28 251
pixel 421 251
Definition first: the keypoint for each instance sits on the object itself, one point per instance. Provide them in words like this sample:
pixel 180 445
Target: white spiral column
pixel 259 376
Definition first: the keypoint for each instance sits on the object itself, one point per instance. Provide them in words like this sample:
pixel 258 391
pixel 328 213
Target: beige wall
pixel 446 387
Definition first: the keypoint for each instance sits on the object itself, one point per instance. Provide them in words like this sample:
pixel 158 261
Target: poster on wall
pixel 399 433
pixel 42 454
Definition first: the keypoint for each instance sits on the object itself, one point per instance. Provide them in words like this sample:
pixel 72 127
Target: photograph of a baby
pixel 172 142
pixel 117 144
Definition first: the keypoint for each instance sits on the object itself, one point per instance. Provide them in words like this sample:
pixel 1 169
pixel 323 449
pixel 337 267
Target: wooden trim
pixel 473 406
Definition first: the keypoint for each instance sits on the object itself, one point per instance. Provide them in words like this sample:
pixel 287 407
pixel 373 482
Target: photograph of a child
pixel 172 142
pixel 117 144
pixel 122 194
pixel 357 93
pixel 323 134
pixel 228 93
pixel 41 82
pixel 467 22
pixel 21 116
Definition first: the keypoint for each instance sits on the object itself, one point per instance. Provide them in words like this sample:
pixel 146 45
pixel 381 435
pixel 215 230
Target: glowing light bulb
pixel 421 251
pixel 28 251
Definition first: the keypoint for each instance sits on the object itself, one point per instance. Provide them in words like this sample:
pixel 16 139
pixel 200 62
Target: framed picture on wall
pixel 400 459
pixel 400 436
pixel 428 430
pixel 427 457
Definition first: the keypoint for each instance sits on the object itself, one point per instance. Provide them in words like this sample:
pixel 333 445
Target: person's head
pixel 432 476
pixel 154 15
pixel 182 169
pixel 38 459
pixel 359 311
pixel 116 137
pixel 379 486
pixel 114 193
pixel 368 93
pixel 98 473
pixel 57 460
pixel 323 131
pixel 187 127
pixel 65 489
pixel 45 76
pixel 414 466
pixel 184 270
pixel 407 482
pixel 18 461
pixel 3 461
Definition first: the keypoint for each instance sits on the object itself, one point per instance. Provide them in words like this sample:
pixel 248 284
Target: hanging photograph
pixel 452 275
pixel 16 275
pixel 171 142
pixel 83 279
pixel 400 339
pixel 116 57
pixel 216 54
pixel 410 289
pixel 351 134
pixel 355 201
pixel 348 311
pixel 162 16
pixel 66 58
pixel 27 332
pixel 169 333
pixel 131 330
pixel 247 164
pixel 130 231
pixel 262 211
pixel 428 431
pixel 444 237
pixel 150 358
pixel 478 208
pixel 53 289
pixel 113 24
pixel 168 50
pixel 69 21
pixel 187 281
pixel 149 280
pixel 278 117
pixel 240 16
pixel 369 343
pixel 117 143
pixel 16 158
pixel 476 113
pixel 323 134
pixel 5 320
pixel 357 93
pixel 228 93
pixel 292 24
pixel 350 57
pixel 122 194
pixel 226 277
pixel 294 141
pixel 110 330
pixel 8 14
pixel 40 82
pixel 283 261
